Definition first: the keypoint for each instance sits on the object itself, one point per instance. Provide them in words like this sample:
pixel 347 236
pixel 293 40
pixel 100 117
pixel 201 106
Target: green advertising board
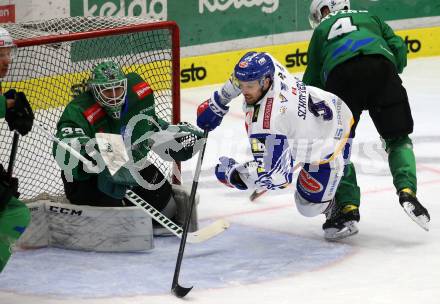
pixel 208 21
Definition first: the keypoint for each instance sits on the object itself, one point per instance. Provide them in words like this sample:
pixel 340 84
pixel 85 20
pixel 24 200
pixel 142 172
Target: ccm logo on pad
pixel 142 89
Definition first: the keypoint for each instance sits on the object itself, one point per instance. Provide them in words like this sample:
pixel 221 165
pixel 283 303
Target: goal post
pixel 53 61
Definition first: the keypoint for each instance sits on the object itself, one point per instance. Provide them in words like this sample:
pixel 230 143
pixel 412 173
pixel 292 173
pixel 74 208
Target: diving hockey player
pixel 357 56
pixel 15 108
pixel 287 123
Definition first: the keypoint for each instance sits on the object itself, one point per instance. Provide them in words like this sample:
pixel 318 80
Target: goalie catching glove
pixel 176 142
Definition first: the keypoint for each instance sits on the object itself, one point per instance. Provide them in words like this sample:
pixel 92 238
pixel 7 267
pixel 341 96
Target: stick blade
pixel 208 232
pixel 180 291
pixel 256 194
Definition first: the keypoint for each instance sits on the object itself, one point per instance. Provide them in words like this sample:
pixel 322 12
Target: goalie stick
pixel 198 236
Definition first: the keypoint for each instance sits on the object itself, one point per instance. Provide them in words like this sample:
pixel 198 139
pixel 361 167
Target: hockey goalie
pixel 112 123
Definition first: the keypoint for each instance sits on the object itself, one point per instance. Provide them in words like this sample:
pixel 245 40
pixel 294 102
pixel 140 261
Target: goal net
pixel 54 57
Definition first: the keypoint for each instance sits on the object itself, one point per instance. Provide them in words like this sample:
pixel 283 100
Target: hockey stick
pixel 13 153
pixel 260 191
pixel 176 289
pixel 195 237
pixel 256 194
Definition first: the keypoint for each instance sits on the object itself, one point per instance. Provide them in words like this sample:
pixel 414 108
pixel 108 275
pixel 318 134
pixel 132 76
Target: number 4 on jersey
pixel 340 27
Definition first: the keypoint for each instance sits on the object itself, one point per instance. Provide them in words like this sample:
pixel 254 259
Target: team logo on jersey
pixel 308 183
pixel 338 134
pixel 283 98
pixel 281 75
pixel 142 89
pixel 267 113
pixel 283 109
pixel 94 113
pixel 294 91
pixel 257 145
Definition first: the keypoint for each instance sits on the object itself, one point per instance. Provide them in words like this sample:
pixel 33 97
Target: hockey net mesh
pixel 50 73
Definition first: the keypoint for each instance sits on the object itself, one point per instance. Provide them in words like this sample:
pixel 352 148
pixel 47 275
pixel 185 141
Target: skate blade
pixel 421 220
pixel 333 234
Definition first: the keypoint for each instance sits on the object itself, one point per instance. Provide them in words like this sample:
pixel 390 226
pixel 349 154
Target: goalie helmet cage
pixel 54 58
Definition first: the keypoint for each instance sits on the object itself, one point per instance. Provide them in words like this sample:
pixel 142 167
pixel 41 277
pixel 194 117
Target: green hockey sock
pixel 348 191
pixel 402 162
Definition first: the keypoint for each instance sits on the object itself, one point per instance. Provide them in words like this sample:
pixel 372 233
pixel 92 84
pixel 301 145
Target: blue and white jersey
pixel 293 123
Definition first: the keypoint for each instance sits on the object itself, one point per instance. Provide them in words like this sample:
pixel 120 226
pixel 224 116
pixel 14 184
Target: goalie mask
pixel 254 66
pixel 315 16
pixel 109 86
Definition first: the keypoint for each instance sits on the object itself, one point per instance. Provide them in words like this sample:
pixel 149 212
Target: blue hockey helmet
pixel 254 66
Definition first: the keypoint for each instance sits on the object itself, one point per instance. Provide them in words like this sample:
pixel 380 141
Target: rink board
pixel 216 68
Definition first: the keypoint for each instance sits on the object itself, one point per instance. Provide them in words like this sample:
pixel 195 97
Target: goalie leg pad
pixel 37 233
pixel 105 229
pixel 181 196
pixel 88 228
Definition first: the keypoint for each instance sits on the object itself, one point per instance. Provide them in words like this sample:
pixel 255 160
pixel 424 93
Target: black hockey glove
pixel 8 187
pixel 19 117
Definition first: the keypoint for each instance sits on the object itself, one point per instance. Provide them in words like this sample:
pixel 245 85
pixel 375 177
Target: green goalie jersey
pixel 345 34
pixel 83 117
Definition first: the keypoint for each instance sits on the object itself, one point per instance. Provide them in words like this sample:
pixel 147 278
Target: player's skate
pixel 414 209
pixel 341 222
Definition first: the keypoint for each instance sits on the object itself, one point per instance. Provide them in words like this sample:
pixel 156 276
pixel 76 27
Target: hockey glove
pixel 20 116
pixel 227 172
pixel 210 113
pixel 8 188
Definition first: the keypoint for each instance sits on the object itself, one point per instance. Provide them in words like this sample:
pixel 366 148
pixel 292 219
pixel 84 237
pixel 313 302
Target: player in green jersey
pixel 357 56
pixel 115 103
pixel 14 107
